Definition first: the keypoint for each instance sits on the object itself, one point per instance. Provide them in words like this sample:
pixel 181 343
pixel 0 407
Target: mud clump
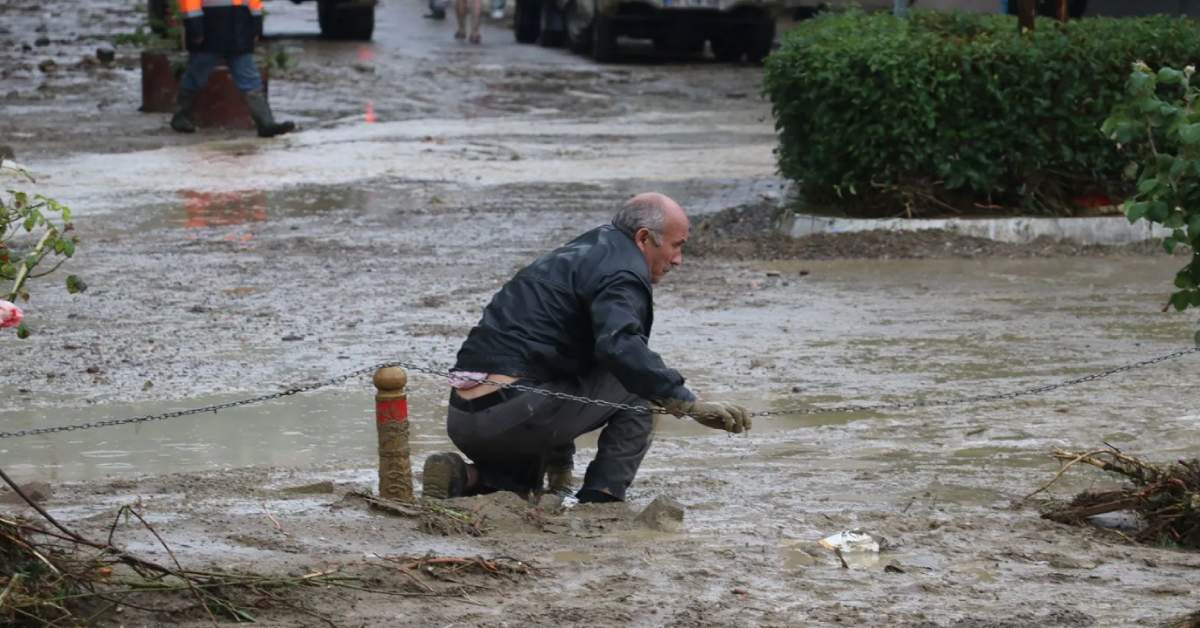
pixel 663 514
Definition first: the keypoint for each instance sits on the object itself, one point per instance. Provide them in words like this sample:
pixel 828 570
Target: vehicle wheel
pixel 727 49
pixel 579 29
pixel 604 38
pixel 340 20
pixel 554 30
pixel 527 21
pixel 762 40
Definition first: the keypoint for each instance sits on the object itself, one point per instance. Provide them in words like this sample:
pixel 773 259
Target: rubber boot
pixel 260 111
pixel 185 102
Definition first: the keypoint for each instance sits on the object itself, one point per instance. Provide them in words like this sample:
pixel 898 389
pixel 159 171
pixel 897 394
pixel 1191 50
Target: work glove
pixel 719 415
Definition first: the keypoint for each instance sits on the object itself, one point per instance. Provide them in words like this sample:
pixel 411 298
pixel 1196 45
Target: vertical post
pixel 1026 9
pixel 900 8
pixel 1063 13
pixel 391 421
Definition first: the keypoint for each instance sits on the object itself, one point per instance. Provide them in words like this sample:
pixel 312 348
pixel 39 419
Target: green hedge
pixel 878 114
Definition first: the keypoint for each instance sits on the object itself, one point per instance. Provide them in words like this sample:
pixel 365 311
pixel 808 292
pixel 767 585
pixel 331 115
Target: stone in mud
pixel 325 487
pixel 105 54
pixel 42 41
pixel 36 491
pixel 663 513
pixel 47 65
pixel 7 153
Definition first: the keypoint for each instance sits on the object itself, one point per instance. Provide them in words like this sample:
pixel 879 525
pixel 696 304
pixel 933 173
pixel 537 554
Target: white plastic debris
pixel 848 541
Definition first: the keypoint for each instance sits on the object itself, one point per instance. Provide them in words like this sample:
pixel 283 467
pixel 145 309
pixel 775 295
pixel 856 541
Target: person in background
pixel 223 31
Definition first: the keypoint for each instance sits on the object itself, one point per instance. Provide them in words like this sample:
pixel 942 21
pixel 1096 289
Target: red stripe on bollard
pixel 389 410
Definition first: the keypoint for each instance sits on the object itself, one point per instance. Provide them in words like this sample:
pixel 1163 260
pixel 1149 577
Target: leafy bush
pixel 34 230
pixel 958 110
pixel 1159 124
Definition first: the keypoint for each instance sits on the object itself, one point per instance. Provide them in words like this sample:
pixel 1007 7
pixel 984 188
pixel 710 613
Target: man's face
pixel 665 253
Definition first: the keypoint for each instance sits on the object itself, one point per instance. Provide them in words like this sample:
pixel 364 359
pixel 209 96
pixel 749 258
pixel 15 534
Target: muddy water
pixel 846 332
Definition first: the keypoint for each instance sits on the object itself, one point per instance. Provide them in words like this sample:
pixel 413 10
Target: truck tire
pixel 343 20
pixel 554 25
pixel 579 29
pixel 762 40
pixel 527 21
pixel 726 48
pixel 604 38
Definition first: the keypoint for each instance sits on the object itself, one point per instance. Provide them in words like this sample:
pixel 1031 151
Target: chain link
pixel 1037 390
pixel 796 410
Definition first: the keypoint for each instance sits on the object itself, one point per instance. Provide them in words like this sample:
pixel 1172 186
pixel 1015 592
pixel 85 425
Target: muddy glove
pixel 719 415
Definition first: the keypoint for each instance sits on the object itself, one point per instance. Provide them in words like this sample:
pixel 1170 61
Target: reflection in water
pixel 218 209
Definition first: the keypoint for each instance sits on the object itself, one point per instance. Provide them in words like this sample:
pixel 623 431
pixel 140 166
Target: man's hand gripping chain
pixel 719 415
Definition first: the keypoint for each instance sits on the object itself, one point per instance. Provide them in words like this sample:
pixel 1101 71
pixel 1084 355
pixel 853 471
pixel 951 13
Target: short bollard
pixel 391 420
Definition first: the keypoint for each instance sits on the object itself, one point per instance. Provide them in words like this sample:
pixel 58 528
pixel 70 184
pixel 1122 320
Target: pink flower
pixel 10 315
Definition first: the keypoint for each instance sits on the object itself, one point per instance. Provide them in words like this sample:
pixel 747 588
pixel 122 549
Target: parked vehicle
pixel 736 29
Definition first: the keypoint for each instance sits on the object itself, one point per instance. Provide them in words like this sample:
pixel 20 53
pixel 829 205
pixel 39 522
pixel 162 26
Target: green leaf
pixel 1184 282
pixel 1189 134
pixel 1196 339
pixel 22 331
pixel 1180 301
pixel 30 221
pixel 1147 185
pixel 1194 226
pixel 1158 212
pixel 1169 76
pixel 1136 211
pixel 76 285
pixel 68 247
pixel 1169 244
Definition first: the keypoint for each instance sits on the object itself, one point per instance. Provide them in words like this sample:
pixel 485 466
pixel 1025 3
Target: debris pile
pixel 1166 498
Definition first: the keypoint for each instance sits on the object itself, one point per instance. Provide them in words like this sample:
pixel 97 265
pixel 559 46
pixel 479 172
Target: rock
pixel 105 54
pixel 663 513
pixel 550 502
pixel 7 152
pixel 26 48
pixel 47 65
pixel 36 491
pixel 292 338
pixel 325 487
pixel 42 41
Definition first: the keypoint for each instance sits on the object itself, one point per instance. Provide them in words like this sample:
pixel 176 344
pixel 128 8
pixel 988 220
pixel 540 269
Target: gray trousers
pixel 512 437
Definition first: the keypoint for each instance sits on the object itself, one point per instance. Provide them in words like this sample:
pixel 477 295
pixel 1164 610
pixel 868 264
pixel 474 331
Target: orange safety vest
pixel 195 8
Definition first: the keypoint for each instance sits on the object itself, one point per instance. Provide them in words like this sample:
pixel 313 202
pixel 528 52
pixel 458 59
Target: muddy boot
pixel 558 481
pixel 260 111
pixel 185 102
pixel 445 476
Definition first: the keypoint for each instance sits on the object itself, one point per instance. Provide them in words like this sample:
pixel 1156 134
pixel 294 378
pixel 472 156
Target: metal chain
pixel 977 398
pixel 596 402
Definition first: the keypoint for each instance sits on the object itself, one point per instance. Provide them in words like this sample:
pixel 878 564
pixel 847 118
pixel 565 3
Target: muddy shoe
pixel 558 481
pixel 445 476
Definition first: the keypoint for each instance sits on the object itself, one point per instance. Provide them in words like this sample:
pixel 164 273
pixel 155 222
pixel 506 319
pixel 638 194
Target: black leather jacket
pixel 585 304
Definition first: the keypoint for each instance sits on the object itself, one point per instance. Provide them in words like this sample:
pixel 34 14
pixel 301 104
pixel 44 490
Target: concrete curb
pixel 1090 230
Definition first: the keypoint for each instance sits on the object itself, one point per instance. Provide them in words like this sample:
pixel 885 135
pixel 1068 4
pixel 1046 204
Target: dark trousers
pixel 512 437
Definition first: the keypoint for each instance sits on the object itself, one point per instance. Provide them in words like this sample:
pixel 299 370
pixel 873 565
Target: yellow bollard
pixel 391 420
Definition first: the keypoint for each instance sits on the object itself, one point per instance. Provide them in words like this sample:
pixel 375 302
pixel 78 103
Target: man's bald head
pixel 650 210
pixel 659 227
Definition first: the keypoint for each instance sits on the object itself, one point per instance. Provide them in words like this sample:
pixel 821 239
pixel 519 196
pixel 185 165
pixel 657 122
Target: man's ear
pixel 642 237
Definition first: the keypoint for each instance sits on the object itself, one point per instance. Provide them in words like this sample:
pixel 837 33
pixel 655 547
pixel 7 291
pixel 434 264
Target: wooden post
pixel 1063 13
pixel 391 421
pixel 1026 10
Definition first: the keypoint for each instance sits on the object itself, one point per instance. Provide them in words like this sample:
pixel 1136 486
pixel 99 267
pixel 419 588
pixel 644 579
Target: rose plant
pixel 35 240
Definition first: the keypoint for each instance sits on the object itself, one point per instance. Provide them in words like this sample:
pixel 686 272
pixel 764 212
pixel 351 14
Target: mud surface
pixel 223 267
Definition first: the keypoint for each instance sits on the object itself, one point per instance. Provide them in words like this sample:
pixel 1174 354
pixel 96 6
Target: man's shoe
pixel 445 476
pixel 264 120
pixel 558 481
pixel 185 103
